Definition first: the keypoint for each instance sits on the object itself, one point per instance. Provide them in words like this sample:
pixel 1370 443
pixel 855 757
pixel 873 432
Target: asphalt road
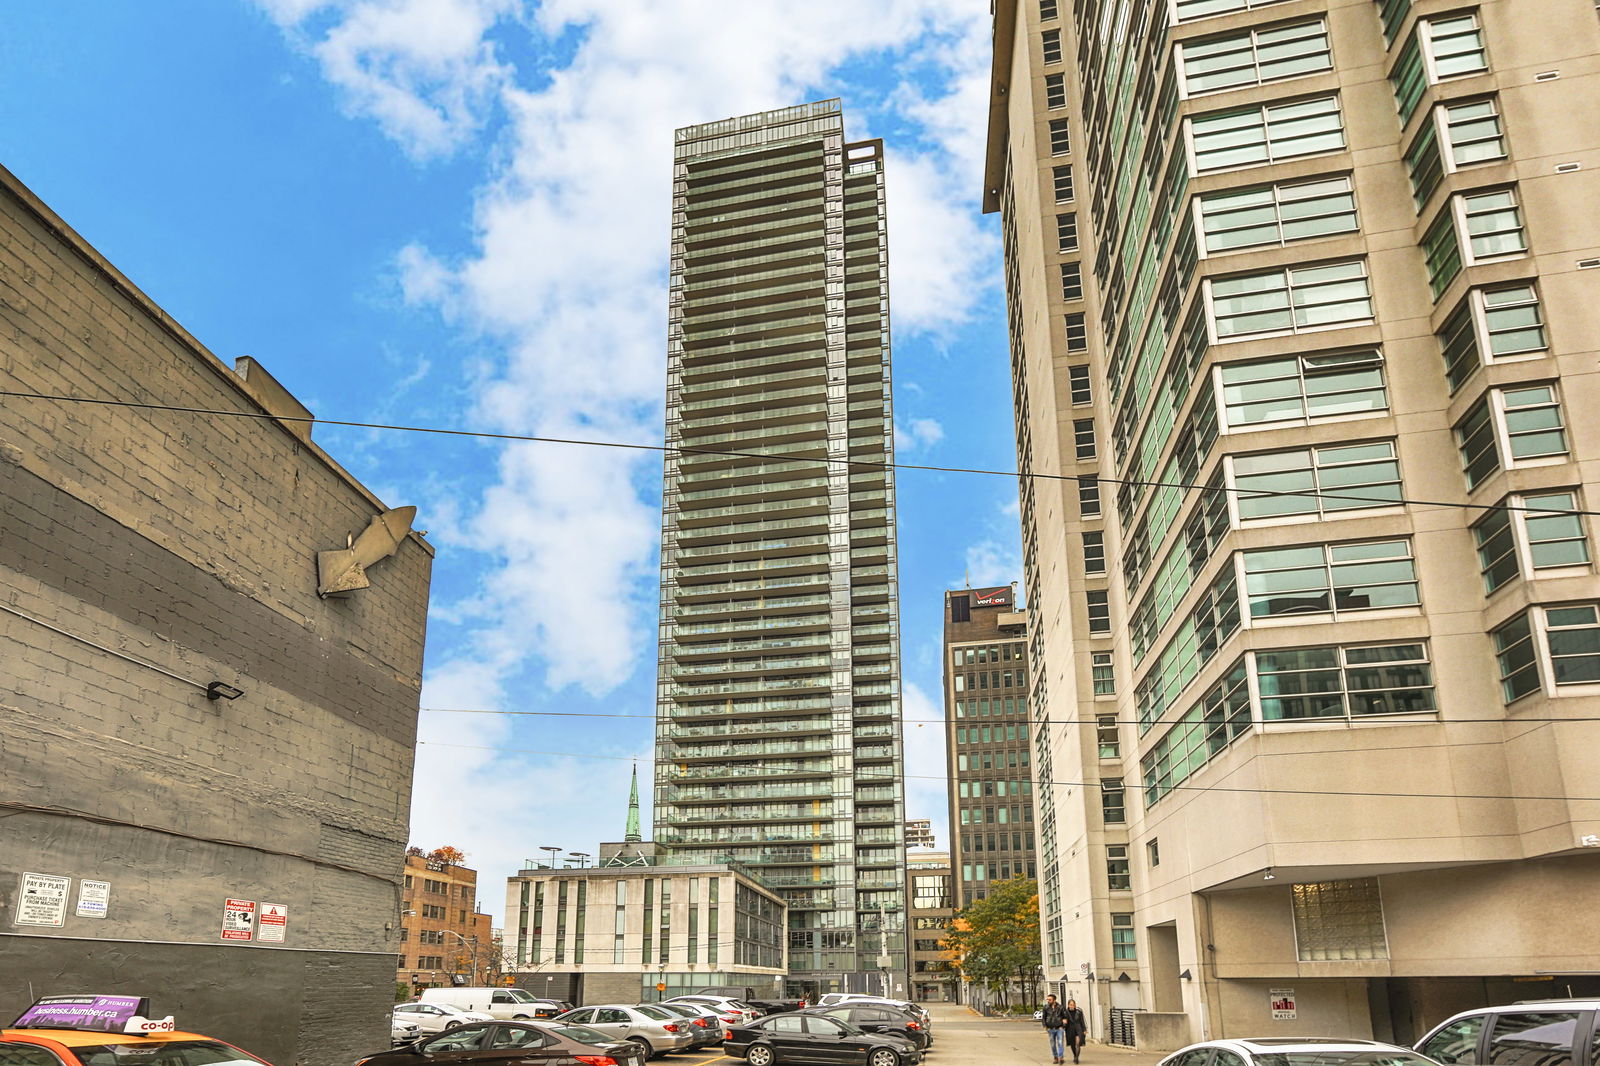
pixel 962 1038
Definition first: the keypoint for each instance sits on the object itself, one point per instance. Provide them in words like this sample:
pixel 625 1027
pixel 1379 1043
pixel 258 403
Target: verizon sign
pixel 1000 597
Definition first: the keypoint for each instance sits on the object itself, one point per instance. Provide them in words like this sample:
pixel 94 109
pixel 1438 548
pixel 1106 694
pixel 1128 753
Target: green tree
pixel 996 939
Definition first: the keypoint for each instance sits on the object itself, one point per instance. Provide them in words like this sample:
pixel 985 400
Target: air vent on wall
pixel 1547 75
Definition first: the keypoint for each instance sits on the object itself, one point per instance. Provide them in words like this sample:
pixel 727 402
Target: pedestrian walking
pixel 1076 1027
pixel 1054 1018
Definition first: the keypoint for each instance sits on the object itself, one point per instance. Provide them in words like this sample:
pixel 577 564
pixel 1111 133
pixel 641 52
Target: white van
pixel 507 1004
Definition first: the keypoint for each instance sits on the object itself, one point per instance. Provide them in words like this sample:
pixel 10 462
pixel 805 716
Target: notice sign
pixel 274 923
pixel 42 900
pixel 1282 1004
pixel 93 898
pixel 238 919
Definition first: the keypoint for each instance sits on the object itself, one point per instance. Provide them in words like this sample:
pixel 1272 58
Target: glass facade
pixel 778 737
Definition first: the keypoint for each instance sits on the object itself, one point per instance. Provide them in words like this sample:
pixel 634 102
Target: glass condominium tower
pixel 778 737
pixel 1302 300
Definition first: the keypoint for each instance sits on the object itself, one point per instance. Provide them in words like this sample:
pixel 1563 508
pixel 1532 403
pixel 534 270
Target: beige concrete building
pixel 1302 299
pixel 612 934
pixel 778 741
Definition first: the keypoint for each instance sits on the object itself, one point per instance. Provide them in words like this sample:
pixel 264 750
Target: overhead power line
pixel 1239 789
pixel 854 464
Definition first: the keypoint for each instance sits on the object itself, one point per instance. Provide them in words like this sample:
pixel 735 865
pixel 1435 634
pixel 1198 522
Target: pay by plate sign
pixel 238 919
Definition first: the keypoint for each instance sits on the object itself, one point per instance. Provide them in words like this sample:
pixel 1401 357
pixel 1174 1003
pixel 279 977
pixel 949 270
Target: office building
pixel 987 744
pixel 211 641
pixel 931 900
pixel 444 937
pixel 919 833
pixel 778 742
pixel 1302 309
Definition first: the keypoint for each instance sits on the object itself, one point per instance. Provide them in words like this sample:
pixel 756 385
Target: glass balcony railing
pixel 793 662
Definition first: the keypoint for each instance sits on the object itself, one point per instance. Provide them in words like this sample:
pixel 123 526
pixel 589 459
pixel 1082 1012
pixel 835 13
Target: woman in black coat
pixel 1077 1028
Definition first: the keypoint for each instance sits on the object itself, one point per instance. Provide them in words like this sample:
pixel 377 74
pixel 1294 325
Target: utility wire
pixel 675 449
pixel 876 776
pixel 1097 720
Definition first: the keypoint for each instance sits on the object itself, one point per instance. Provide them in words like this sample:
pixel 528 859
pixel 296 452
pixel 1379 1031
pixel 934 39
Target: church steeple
pixel 632 833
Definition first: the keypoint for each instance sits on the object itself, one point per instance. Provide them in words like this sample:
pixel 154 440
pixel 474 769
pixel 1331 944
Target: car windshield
pixel 165 1053
pixel 583 1034
pixel 680 1009
pixel 741 1004
pixel 1340 1058
pixel 655 1012
pixel 521 995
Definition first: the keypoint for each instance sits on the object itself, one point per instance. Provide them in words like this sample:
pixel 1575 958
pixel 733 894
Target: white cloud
pixel 927 786
pixel 990 563
pixel 917 433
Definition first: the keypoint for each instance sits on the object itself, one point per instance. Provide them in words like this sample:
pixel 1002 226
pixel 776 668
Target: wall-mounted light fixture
pixel 1269 875
pixel 219 690
pixel 1186 975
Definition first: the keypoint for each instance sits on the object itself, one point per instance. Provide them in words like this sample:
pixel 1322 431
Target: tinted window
pixel 610 1017
pixel 1341 1058
pixel 820 1026
pixel 502 997
pixel 26 1055
pixel 1193 1057
pixel 517 1036
pixel 655 1013
pixel 785 1023
pixel 173 1053
pixel 1532 1039
pixel 467 1038
pixel 1226 1058
pixel 579 1016
pixel 1456 1042
pixel 582 1035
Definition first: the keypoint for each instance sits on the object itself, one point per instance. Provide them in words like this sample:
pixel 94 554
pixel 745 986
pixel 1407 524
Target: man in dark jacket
pixel 1076 1027
pixel 1054 1018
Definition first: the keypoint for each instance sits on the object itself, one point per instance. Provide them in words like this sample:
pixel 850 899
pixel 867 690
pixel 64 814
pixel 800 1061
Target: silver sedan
pixel 653 1029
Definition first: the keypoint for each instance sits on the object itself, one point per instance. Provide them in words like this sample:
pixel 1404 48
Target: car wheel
pixel 448 1026
pixel 883 1057
pixel 759 1055
pixel 644 1045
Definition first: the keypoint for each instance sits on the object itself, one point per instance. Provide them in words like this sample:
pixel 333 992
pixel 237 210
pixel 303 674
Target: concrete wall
pixel 188 543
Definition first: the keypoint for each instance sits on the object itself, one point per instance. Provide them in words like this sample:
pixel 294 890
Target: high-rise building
pixel 987 742
pixel 932 911
pixel 778 733
pixel 1303 324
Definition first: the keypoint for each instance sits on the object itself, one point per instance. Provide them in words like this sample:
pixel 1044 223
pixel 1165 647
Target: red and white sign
pixel 1000 597
pixel 238 919
pixel 274 923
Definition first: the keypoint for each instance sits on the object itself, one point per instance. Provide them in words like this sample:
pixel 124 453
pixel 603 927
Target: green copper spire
pixel 633 809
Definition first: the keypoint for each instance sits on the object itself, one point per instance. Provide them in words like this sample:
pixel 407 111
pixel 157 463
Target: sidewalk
pixel 964 1038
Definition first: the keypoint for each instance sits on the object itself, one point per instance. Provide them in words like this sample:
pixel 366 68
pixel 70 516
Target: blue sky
pixel 455 213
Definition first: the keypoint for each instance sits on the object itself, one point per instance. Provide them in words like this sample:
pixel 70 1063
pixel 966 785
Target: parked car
pixel 732 1010
pixel 402 1031
pixel 879 1018
pixel 703 1021
pixel 809 1037
pixel 655 1030
pixel 500 1043
pixel 834 999
pixel 1293 1051
pixel 506 1004
pixel 1545 1031
pixel 748 994
pixel 437 1017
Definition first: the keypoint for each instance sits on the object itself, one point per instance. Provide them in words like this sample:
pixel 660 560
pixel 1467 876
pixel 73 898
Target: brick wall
pixel 189 542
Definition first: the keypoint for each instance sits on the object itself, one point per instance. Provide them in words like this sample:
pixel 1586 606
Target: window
pixel 1094 552
pixel 1573 635
pixel 1493 224
pixel 1392 13
pixel 1536 532
pixel 1152 852
pixel 1501 323
pixel 1060 143
pixel 1289 300
pixel 1203 732
pixel 1265 134
pixel 1071 281
pixel 1117 876
pixel 1277 214
pixel 1473 132
pixel 1122 944
pixel 1457 1043
pixel 1409 79
pixel 960 611
pixel 1062 179
pixel 1303 388
pixel 1332 479
pixel 1077 331
pixel 1078 384
pixel 1051 41
pixel 1113 806
pixel 1088 497
pixel 1532 1038
pixel 1343 682
pixel 1055 91
pixel 1105 725
pixel 1424 165
pixel 1330 578
pixel 1518 661
pixel 1454 46
pixel 1524 423
pixel 1190 10
pixel 1441 252
pixel 1047 10
pixel 1337 920
pixel 1083 439
pixel 1067 233
pixel 1099 611
pixel 1255 56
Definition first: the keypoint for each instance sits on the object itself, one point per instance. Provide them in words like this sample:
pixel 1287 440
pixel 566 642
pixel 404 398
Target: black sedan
pixel 513 1044
pixel 816 1038
pixel 875 1019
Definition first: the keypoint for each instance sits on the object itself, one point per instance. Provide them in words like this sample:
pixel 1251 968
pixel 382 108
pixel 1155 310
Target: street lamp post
pixel 471 942
pixel 551 861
